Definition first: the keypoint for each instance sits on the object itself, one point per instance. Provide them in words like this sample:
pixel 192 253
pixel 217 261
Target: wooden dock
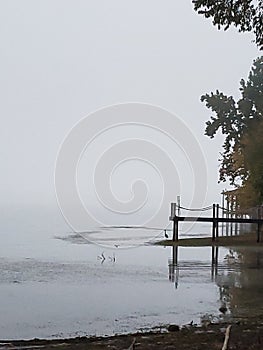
pixel 215 219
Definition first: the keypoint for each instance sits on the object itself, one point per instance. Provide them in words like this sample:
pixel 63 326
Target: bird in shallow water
pixel 101 257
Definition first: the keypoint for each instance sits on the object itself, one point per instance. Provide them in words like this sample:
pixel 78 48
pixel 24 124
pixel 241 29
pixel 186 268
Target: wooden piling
pixel 217 215
pixel 223 214
pixel 236 216
pixel 227 216
pixel 231 215
pixel 175 230
pixel 214 223
pixel 259 226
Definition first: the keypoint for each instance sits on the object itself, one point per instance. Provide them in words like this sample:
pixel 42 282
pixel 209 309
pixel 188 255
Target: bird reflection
pixel 112 258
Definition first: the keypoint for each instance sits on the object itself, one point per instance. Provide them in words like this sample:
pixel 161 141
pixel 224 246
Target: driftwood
pixel 226 338
pixel 131 347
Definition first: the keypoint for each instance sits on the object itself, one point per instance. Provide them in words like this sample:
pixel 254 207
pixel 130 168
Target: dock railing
pixel 215 219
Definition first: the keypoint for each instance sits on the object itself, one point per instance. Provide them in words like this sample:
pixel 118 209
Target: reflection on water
pixel 238 275
pixel 68 287
pixel 174 266
pixel 242 287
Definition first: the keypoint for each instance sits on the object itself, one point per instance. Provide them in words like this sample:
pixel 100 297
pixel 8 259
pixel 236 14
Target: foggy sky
pixel 61 60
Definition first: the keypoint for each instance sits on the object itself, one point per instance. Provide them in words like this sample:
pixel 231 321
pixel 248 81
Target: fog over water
pixel 61 61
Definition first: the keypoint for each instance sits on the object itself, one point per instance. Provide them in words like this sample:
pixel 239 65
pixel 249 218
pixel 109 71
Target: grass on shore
pixel 245 240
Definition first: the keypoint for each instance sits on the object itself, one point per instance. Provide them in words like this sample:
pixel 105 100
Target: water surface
pixel 60 285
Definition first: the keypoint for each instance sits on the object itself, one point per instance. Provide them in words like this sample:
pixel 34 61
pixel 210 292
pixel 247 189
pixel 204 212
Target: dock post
pixel 175 230
pixel 217 215
pixel 236 216
pixel 214 223
pixel 259 226
pixel 223 209
pixel 231 215
pixel 175 221
pixel 227 215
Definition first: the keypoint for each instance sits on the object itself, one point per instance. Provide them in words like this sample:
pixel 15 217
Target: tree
pixel 252 144
pixel 242 124
pixel 246 15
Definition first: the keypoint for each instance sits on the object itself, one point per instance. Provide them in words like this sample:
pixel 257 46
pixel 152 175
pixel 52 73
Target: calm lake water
pixel 57 284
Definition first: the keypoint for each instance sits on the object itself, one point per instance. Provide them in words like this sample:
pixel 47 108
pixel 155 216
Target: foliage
pixel 252 144
pixel 246 15
pixel 242 124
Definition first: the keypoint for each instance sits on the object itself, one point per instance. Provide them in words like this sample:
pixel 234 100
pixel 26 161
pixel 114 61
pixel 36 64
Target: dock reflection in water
pixel 174 266
pixel 238 275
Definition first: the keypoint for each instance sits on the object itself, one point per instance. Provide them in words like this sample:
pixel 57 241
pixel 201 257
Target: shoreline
pixel 246 241
pixel 243 335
